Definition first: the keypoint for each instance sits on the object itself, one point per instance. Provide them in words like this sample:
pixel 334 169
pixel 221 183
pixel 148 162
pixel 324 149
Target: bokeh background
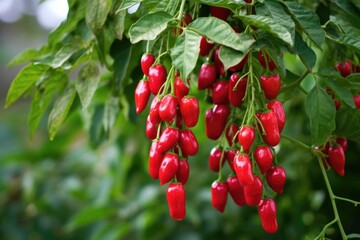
pixel 73 188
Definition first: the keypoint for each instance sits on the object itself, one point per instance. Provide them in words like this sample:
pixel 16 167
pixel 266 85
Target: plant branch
pixel 296 141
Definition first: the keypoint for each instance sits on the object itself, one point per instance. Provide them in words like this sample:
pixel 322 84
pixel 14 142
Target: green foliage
pixel 87 73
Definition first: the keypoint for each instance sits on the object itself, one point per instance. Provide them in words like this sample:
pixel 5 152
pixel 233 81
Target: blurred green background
pixel 67 189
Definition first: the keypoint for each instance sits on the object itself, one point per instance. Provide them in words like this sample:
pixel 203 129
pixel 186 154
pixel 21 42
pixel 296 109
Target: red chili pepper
pixel 357 101
pixel 168 139
pixel 246 137
pixel 271 63
pixel 277 107
pixel 236 190
pixel 154 111
pixel 168 168
pixel 188 142
pixel 276 178
pixel 243 169
pixel 219 12
pixel 151 129
pixel 157 77
pixel 205 46
pixel 230 155
pixel 253 192
pixel 155 158
pixel 270 85
pixel 237 94
pixel 142 94
pixel 176 198
pixel 207 76
pixel 220 92
pixel 231 130
pixel 215 158
pixel 337 159
pixel 189 108
pixel 219 195
pixel 147 60
pixel 218 63
pixel 343 142
pixel 167 108
pixel 215 120
pixel 269 122
pixel 344 68
pixel 264 157
pixel 267 213
pixel 181 89
pixel 183 171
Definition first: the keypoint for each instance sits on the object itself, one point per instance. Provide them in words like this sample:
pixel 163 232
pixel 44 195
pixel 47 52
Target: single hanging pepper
pixel 168 168
pixel 176 198
pixel 276 178
pixel 243 169
pixel 142 94
pixel 267 213
pixel 189 108
pixel 219 195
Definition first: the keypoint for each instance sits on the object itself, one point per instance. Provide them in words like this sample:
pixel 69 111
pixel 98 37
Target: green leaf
pixel 128 4
pixel 306 54
pixel 26 56
pixel 52 81
pixel 229 4
pixel 269 25
pixel 357 4
pixel 111 112
pixel 350 40
pixel 308 21
pixel 97 134
pixel 87 83
pixel 117 24
pixel 342 92
pixel 89 215
pixel 275 10
pixel 63 55
pixel 321 111
pixel 348 123
pixel 149 26
pixel 60 110
pixel 230 57
pixel 96 14
pixel 221 32
pixel 354 235
pixel 24 80
pixel 121 52
pixel 185 53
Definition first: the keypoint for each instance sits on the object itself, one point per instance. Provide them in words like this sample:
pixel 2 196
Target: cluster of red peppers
pixel 245 117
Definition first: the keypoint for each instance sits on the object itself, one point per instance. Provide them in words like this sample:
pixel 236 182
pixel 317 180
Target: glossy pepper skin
pixel 277 107
pixel 246 137
pixel 205 46
pixel 215 158
pixel 237 94
pixel 157 77
pixel 147 60
pixel 270 85
pixel 189 108
pixel 357 101
pixel 218 63
pixel 269 122
pixel 243 169
pixel 154 111
pixel 215 120
pixel 176 198
pixel 220 92
pixel 167 108
pixel 337 159
pixel 219 195
pixel 155 158
pixel 181 89
pixel 230 155
pixel 207 76
pixel 188 142
pixel 267 213
pixel 168 168
pixel 253 192
pixel 142 94
pixel 343 142
pixel 264 158
pixel 151 129
pixel 183 171
pixel 236 191
pixel 271 63
pixel 276 178
pixel 219 12
pixel 168 139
